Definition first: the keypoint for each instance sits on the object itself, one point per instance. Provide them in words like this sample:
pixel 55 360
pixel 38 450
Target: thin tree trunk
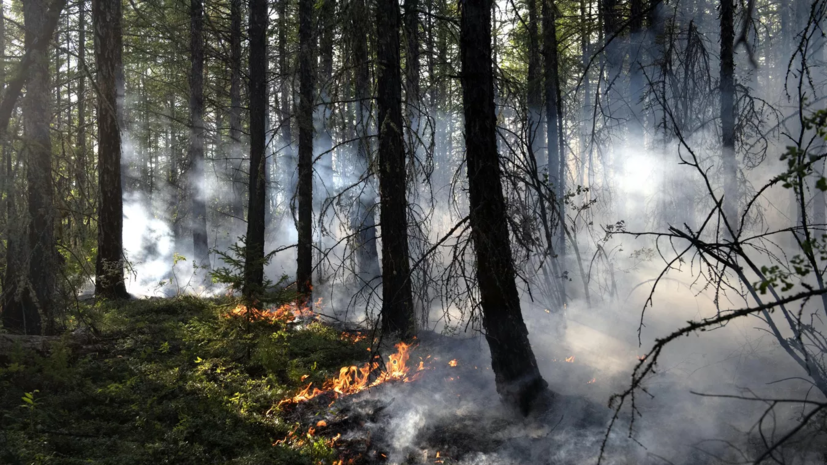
pixel 397 300
pixel 196 179
pixel 254 259
pixel 636 78
pixel 81 161
pixel 109 276
pixel 286 103
pixel 730 164
pixel 367 255
pixel 304 270
pixel 515 369
pixel 554 128
pixel 237 202
pixel 535 85
pixel 412 67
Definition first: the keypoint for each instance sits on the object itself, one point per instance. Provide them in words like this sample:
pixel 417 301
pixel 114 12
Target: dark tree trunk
pixel 730 165
pixel 554 127
pixel 365 223
pixel 534 99
pixel 286 102
pixel 304 269
pixel 38 149
pixel 80 161
pixel 109 277
pixel 412 66
pixel 196 180
pixel 552 91
pixel 237 202
pixel 636 77
pixel 517 376
pixel 397 300
pixel 254 260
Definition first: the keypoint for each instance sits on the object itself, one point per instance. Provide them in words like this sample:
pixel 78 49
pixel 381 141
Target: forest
pixel 356 232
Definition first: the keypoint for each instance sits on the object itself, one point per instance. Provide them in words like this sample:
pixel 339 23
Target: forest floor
pixel 169 381
pixel 195 381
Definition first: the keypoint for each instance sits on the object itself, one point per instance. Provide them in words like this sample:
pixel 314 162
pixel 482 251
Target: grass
pixel 167 381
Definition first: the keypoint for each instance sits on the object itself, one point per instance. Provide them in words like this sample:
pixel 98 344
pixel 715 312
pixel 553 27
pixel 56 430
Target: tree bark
pixel 196 179
pixel 516 373
pixel 304 269
pixel 730 164
pixel 236 203
pixel 365 224
pixel 536 136
pixel 636 78
pixel 554 128
pixel 254 259
pixel 412 67
pixel 286 102
pixel 80 161
pixel 109 276
pixel 397 300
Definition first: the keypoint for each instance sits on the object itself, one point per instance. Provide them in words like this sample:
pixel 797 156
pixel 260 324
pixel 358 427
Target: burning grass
pixel 353 379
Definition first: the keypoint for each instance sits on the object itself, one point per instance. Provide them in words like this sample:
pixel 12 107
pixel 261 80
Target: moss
pixel 166 381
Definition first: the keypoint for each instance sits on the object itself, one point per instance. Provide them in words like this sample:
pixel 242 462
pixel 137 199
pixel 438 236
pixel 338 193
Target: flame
pixel 570 359
pixel 284 314
pixel 353 337
pixel 594 380
pixel 353 379
pixel 453 363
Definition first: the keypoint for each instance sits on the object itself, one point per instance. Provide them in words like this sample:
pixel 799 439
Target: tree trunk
pixel 397 300
pixel 196 179
pixel 730 164
pixel 80 160
pixel 38 148
pixel 365 224
pixel 412 65
pixel 554 128
pixel 109 277
pixel 304 269
pixel 286 103
pixel 515 369
pixel 236 203
pixel 254 260
pixel 535 86
pixel 552 91
pixel 636 77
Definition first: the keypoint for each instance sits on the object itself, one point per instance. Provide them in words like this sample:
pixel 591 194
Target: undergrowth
pixel 166 381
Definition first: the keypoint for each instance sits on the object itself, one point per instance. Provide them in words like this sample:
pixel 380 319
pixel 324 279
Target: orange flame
pixel 594 380
pixel 353 379
pixel 453 363
pixel 570 359
pixel 284 314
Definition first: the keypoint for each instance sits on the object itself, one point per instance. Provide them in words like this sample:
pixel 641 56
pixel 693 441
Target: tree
pixel 197 214
pixel 109 277
pixel 254 251
pixel 554 125
pixel 364 222
pixel 30 285
pixel 535 84
pixel 304 270
pixel 636 77
pixel 397 299
pixel 516 373
pixel 730 164
pixel 237 208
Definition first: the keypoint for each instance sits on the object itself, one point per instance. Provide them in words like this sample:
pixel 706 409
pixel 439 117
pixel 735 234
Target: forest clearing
pixel 357 232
